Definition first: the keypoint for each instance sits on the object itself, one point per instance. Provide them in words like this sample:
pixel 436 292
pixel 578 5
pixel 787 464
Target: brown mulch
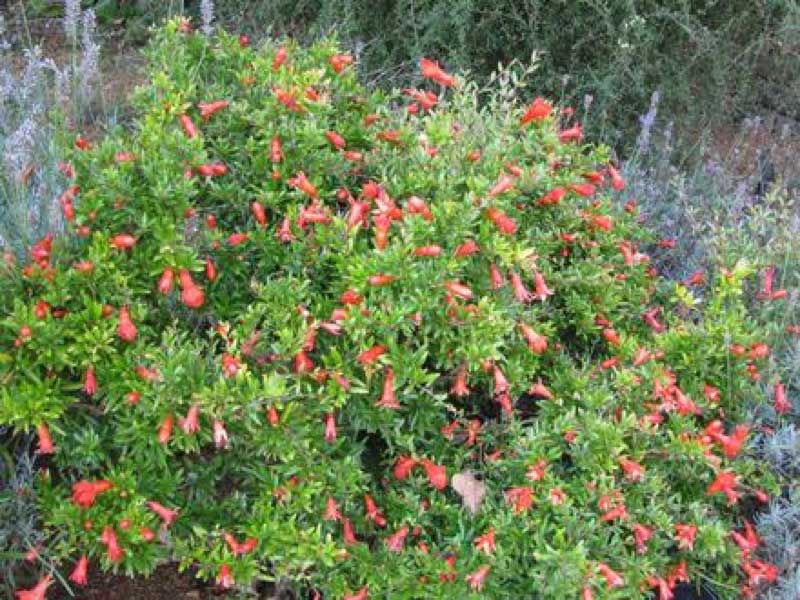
pixel 166 583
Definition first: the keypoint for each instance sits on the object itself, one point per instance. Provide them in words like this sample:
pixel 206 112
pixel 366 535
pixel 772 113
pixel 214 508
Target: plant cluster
pixel 399 345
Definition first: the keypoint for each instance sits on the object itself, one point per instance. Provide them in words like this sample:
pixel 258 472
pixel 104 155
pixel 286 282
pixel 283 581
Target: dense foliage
pixel 403 346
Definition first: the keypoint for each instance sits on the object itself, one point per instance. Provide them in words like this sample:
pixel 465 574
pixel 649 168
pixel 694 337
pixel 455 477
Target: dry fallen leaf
pixel 470 489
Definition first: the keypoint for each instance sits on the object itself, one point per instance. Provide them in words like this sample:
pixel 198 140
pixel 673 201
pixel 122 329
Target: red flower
pixel 37 592
pixel 552 197
pixel 224 577
pixel 476 579
pixel 486 542
pixel 165 431
pixel 84 493
pixel 541 289
pixel 303 363
pixel 339 62
pixel 500 382
pixel 496 277
pixel 281 54
pixel 207 109
pixel 330 428
pixel 46 445
pixel 90 382
pixel 641 535
pixel 536 343
pixel 537 471
pixel 403 467
pixel 109 538
pixel 747 541
pixel 617 182
pixel 362 594
pixel 538 110
pixel 459 290
pixel 431 70
pixel 381 279
pixel 633 470
pixel 126 330
pixel 167 515
pixel 417 206
pixel 539 389
pixel 428 251
pixel 147 534
pixel 460 388
pixel 468 248
pixel 374 514
pixel 649 317
pixel 191 295
pixel 189 128
pixel 685 535
pixel 521 293
pixel 504 184
pixel 396 541
pixel 583 189
pixel 521 498
pixel 220 434
pixel 437 474
pixel 335 140
pixel 301 182
pixel 369 356
pixel 79 573
pixel 190 424
pixel 166 280
pixel 573 134
pixel 331 510
pixel 726 483
pixel 613 579
pixel 240 548
pixel 347 532
pixel 781 404
pixel 505 224
pixel 123 241
pixel 388 399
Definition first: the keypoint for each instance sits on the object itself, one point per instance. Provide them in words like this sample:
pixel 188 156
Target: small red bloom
pixel 331 510
pixel 240 548
pixel 191 424
pixel 330 428
pixel 476 579
pixel 224 577
pixel 437 474
pixel 403 467
pixel 165 431
pixel 126 330
pixel 641 535
pixel 726 483
pixel 37 592
pixel 167 515
pixel 486 542
pixel 685 535
pixel 369 356
pixel 84 492
pixel 109 538
pixel 431 70
pixel 388 398
pixel 521 498
pixel 374 514
pixel 79 573
pixel 538 110
pixel 46 445
pixel 396 541
pixel 90 382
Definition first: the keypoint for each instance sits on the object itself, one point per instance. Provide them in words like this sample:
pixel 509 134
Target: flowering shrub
pixel 374 346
